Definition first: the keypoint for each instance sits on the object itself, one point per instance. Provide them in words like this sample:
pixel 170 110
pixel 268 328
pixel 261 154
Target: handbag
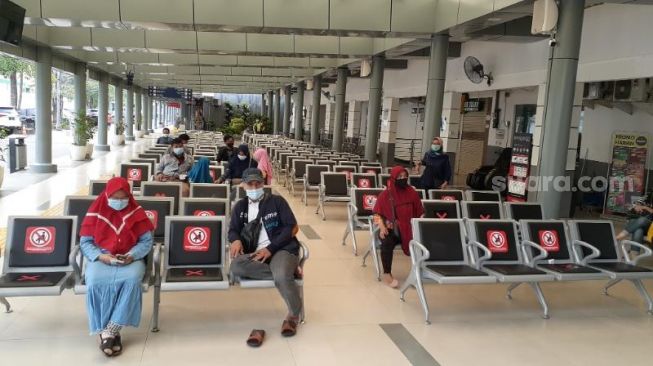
pixel 250 232
pixel 395 227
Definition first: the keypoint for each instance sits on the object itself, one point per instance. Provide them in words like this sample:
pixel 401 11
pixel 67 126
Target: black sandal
pixel 117 345
pixel 106 346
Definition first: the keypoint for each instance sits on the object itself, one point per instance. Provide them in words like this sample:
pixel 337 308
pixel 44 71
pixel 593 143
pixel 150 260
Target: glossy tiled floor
pixel 472 325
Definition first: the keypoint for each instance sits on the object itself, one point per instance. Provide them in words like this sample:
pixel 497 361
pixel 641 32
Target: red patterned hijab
pixel 115 231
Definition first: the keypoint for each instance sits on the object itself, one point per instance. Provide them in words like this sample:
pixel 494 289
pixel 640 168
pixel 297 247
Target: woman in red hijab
pixel 116 236
pixel 394 209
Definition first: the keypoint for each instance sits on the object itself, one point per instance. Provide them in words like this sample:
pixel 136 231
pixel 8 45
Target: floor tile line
pixel 415 353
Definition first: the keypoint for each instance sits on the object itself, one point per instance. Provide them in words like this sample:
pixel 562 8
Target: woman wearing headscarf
pixel 237 165
pixel 395 207
pixel 116 236
pixel 263 160
pixel 200 172
pixel 437 168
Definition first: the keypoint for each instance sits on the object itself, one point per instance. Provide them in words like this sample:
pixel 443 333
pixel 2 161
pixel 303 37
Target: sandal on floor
pixel 106 346
pixel 256 338
pixel 289 328
pixel 117 345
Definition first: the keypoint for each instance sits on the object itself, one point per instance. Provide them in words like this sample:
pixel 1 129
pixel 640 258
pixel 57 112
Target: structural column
pixel 286 110
pixel 374 109
pixel 129 110
pixel 559 101
pixel 270 106
pixel 354 119
pixel 435 90
pixel 315 118
pixel 388 137
pixel 339 123
pixel 299 111
pixel 43 132
pixel 80 88
pixel 264 109
pixel 102 112
pixel 277 111
pixel 139 110
pixel 118 99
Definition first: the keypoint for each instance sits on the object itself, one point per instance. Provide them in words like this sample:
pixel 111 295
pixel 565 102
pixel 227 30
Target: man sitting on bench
pixel 272 251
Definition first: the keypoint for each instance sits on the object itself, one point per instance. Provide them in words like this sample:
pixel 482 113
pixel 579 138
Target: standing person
pixel 275 255
pixel 437 168
pixel 226 152
pixel 165 139
pixel 237 165
pixel 116 236
pixel 264 165
pixel 395 207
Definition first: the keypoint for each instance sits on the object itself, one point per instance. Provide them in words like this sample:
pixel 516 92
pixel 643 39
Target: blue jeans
pixel 637 228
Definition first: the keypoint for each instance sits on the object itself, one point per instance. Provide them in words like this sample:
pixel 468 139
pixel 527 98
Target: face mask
pixel 255 194
pixel 242 157
pixel 166 134
pixel 178 151
pixel 435 147
pixel 230 145
pixel 118 204
pixel 402 182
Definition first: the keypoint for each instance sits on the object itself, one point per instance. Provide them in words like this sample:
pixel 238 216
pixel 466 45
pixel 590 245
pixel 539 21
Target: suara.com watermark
pixel 585 184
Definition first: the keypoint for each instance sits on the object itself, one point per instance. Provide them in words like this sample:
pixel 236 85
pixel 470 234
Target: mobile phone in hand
pixel 116 261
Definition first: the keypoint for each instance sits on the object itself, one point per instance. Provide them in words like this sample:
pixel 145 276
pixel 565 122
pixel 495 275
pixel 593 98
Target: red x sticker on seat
pixel 497 241
pixel 40 239
pixel 549 240
pixel 448 198
pixel 192 272
pixel 441 214
pixel 29 278
pixel 485 216
pixel 203 213
pixel 135 174
pixel 369 201
pixel 196 239
pixel 364 183
pixel 159 194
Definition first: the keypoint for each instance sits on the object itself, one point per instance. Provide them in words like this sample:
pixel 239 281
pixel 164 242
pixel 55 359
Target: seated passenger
pixel 184 140
pixel 638 224
pixel 275 255
pixel 116 236
pixel 263 163
pixel 165 139
pixel 238 164
pixel 226 152
pixel 174 166
pixel 200 172
pixel 395 207
pixel 437 168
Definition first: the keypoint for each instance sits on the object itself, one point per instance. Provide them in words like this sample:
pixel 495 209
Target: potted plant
pixel 92 127
pixel 119 136
pixel 80 133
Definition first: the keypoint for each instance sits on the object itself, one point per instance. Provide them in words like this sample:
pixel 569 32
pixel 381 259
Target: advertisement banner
pixel 520 165
pixel 627 176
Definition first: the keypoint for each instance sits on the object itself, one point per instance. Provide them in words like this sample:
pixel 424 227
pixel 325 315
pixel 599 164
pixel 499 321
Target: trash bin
pixel 17 153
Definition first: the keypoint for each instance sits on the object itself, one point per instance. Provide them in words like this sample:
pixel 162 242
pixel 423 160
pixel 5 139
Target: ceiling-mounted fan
pixel 475 72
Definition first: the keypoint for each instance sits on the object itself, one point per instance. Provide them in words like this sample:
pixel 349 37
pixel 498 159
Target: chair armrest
pixel 305 254
pixel 530 260
pixel 73 259
pixel 629 243
pixel 418 253
pixel 576 244
pixel 478 262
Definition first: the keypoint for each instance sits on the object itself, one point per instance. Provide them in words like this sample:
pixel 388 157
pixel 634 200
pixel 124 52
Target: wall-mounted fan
pixel 474 71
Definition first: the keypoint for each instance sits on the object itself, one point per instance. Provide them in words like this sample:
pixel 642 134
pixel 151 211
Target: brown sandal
pixel 289 328
pixel 256 338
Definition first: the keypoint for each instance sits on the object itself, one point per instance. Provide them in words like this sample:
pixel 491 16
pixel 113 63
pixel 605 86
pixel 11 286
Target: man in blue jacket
pixel 275 255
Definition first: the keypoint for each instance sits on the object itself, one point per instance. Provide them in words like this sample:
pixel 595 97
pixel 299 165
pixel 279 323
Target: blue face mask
pixel 254 194
pixel 118 204
pixel 178 151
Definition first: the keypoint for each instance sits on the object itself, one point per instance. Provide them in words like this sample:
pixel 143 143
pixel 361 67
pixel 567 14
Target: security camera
pixel 553 42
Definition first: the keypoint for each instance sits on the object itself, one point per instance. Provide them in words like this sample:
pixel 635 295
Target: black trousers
pixel 387 249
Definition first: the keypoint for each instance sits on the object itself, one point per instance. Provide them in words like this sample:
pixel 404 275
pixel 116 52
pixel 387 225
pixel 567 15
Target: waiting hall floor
pixel 345 308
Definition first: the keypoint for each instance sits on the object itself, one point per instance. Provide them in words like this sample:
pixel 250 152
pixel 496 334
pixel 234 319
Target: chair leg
pixel 540 297
pixel 155 312
pixel 510 288
pixel 4 302
pixel 608 285
pixel 375 258
pixel 323 212
pixel 645 295
pixel 422 299
pixel 410 281
pixel 344 237
pixel 353 239
pixel 302 316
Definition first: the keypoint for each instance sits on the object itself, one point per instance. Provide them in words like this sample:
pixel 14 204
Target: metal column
pixel 277 111
pixel 286 110
pixel 118 101
pixel 315 117
pixel 129 110
pixel 339 124
pixel 102 112
pixel 43 131
pixel 264 109
pixel 435 90
pixel 80 88
pixel 270 105
pixel 558 105
pixel 299 111
pixel 374 108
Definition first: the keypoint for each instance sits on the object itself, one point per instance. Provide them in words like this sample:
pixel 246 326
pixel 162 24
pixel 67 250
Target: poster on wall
pixel 520 165
pixel 627 176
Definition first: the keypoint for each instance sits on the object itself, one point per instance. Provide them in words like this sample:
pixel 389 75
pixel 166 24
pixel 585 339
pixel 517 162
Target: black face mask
pixel 230 145
pixel 402 183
